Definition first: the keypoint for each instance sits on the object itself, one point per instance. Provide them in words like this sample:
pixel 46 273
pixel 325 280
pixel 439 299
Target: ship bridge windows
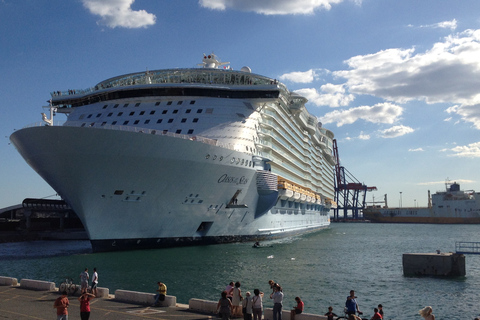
pixel 192 102
pixel 137 104
pixel 188 110
pixel 105 106
pixel 114 122
pixel 99 115
pixel 136 121
pixel 119 114
pixel 89 116
pixel 157 103
pixel 175 111
pixel 164 112
pixel 178 131
pixel 142 113
pixel 132 113
pixel 125 123
pixel 199 110
pixel 115 106
pixel 170 120
pixel 184 120
pixel 159 120
pixel 169 103
pixel 147 121
pixel 179 102
pixel 190 131
pixel 125 105
pixel 152 112
pixel 110 114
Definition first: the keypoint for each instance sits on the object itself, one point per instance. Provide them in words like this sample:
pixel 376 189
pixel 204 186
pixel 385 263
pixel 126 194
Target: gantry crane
pixel 347 190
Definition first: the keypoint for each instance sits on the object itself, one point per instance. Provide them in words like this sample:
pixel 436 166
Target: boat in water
pixel 189 156
pixel 447 207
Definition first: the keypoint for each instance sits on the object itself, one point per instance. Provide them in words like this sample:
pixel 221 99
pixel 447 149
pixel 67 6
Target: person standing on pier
pixel 277 297
pixel 85 305
pixel 257 305
pixel 84 280
pixel 247 307
pixel 61 304
pixel 426 313
pixel 94 281
pixel 351 304
pixel 224 306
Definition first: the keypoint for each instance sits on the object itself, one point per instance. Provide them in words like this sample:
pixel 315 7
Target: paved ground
pixel 23 304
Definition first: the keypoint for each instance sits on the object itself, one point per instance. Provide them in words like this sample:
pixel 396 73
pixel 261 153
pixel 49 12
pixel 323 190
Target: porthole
pixel 214 157
pixel 238 160
pixel 243 160
pixel 233 160
pixel 221 158
pixel 207 156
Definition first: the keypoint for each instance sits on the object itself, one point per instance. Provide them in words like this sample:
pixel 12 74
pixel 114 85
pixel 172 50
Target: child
pixel 330 314
pixel 376 315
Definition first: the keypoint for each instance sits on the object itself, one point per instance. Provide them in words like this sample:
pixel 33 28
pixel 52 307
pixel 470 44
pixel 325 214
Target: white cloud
pixel 443 182
pixel 468 113
pixel 379 113
pixel 449 72
pixel 396 131
pixel 272 7
pixel 118 13
pixel 332 95
pixel 452 25
pixel 416 150
pixel 471 150
pixel 299 76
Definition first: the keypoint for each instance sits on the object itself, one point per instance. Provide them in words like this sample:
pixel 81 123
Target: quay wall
pixel 434 264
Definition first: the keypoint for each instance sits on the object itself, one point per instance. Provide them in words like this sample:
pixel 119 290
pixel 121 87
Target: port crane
pixel 350 193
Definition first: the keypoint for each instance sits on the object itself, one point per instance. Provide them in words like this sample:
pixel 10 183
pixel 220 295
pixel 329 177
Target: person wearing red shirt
pixel 85 305
pixel 297 309
pixel 61 304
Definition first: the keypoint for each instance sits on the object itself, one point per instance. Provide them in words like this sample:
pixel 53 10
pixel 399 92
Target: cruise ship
pixel 189 156
pixel 452 206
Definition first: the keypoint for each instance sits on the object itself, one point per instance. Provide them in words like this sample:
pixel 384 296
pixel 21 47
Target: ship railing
pixel 467 247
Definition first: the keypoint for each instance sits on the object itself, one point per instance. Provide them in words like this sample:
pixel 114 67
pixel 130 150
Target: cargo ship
pixel 452 206
pixel 176 157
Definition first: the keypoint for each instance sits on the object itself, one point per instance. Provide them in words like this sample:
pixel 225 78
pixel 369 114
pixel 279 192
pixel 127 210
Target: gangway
pixel 467 247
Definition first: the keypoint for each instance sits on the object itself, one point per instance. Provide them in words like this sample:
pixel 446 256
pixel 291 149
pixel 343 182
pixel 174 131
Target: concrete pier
pixel 33 299
pixel 434 264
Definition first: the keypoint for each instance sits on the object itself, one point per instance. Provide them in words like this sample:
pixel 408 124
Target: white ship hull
pixel 170 193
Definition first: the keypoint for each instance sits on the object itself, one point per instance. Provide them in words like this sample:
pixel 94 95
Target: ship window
pixel 169 103
pixel 164 112
pixel 125 105
pixel 152 112
pixel 119 114
pixel 110 114
pixel 118 192
pixel 137 104
pixel 147 121
pixel 116 106
pixel 159 121
pixel 125 123
pixel 170 120
pixel 188 110
pixel 195 120
pixel 175 111
pixel 178 131
pixel 89 116
pixel 98 115
pixel 190 131
pixel 221 158
pixel 233 160
pixel 83 125
pixel 209 110
pixel 192 102
pixel 184 120
pixel 157 103
pixel 142 113
pixel 114 122
pixel 104 123
pixel 179 102
pixel 164 131
pixel 199 110
pixel 132 113
pixel 136 121
pixel 105 106
pixel 207 156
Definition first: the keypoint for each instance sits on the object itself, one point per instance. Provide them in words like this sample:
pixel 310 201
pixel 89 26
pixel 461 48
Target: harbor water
pixel 321 268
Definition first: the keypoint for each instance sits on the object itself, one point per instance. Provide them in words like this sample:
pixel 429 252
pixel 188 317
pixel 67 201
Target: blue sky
pixel 398 82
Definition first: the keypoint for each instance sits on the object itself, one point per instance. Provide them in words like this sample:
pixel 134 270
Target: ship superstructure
pixel 185 156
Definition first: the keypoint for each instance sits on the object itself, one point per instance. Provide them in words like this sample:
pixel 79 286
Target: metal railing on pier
pixel 466 247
